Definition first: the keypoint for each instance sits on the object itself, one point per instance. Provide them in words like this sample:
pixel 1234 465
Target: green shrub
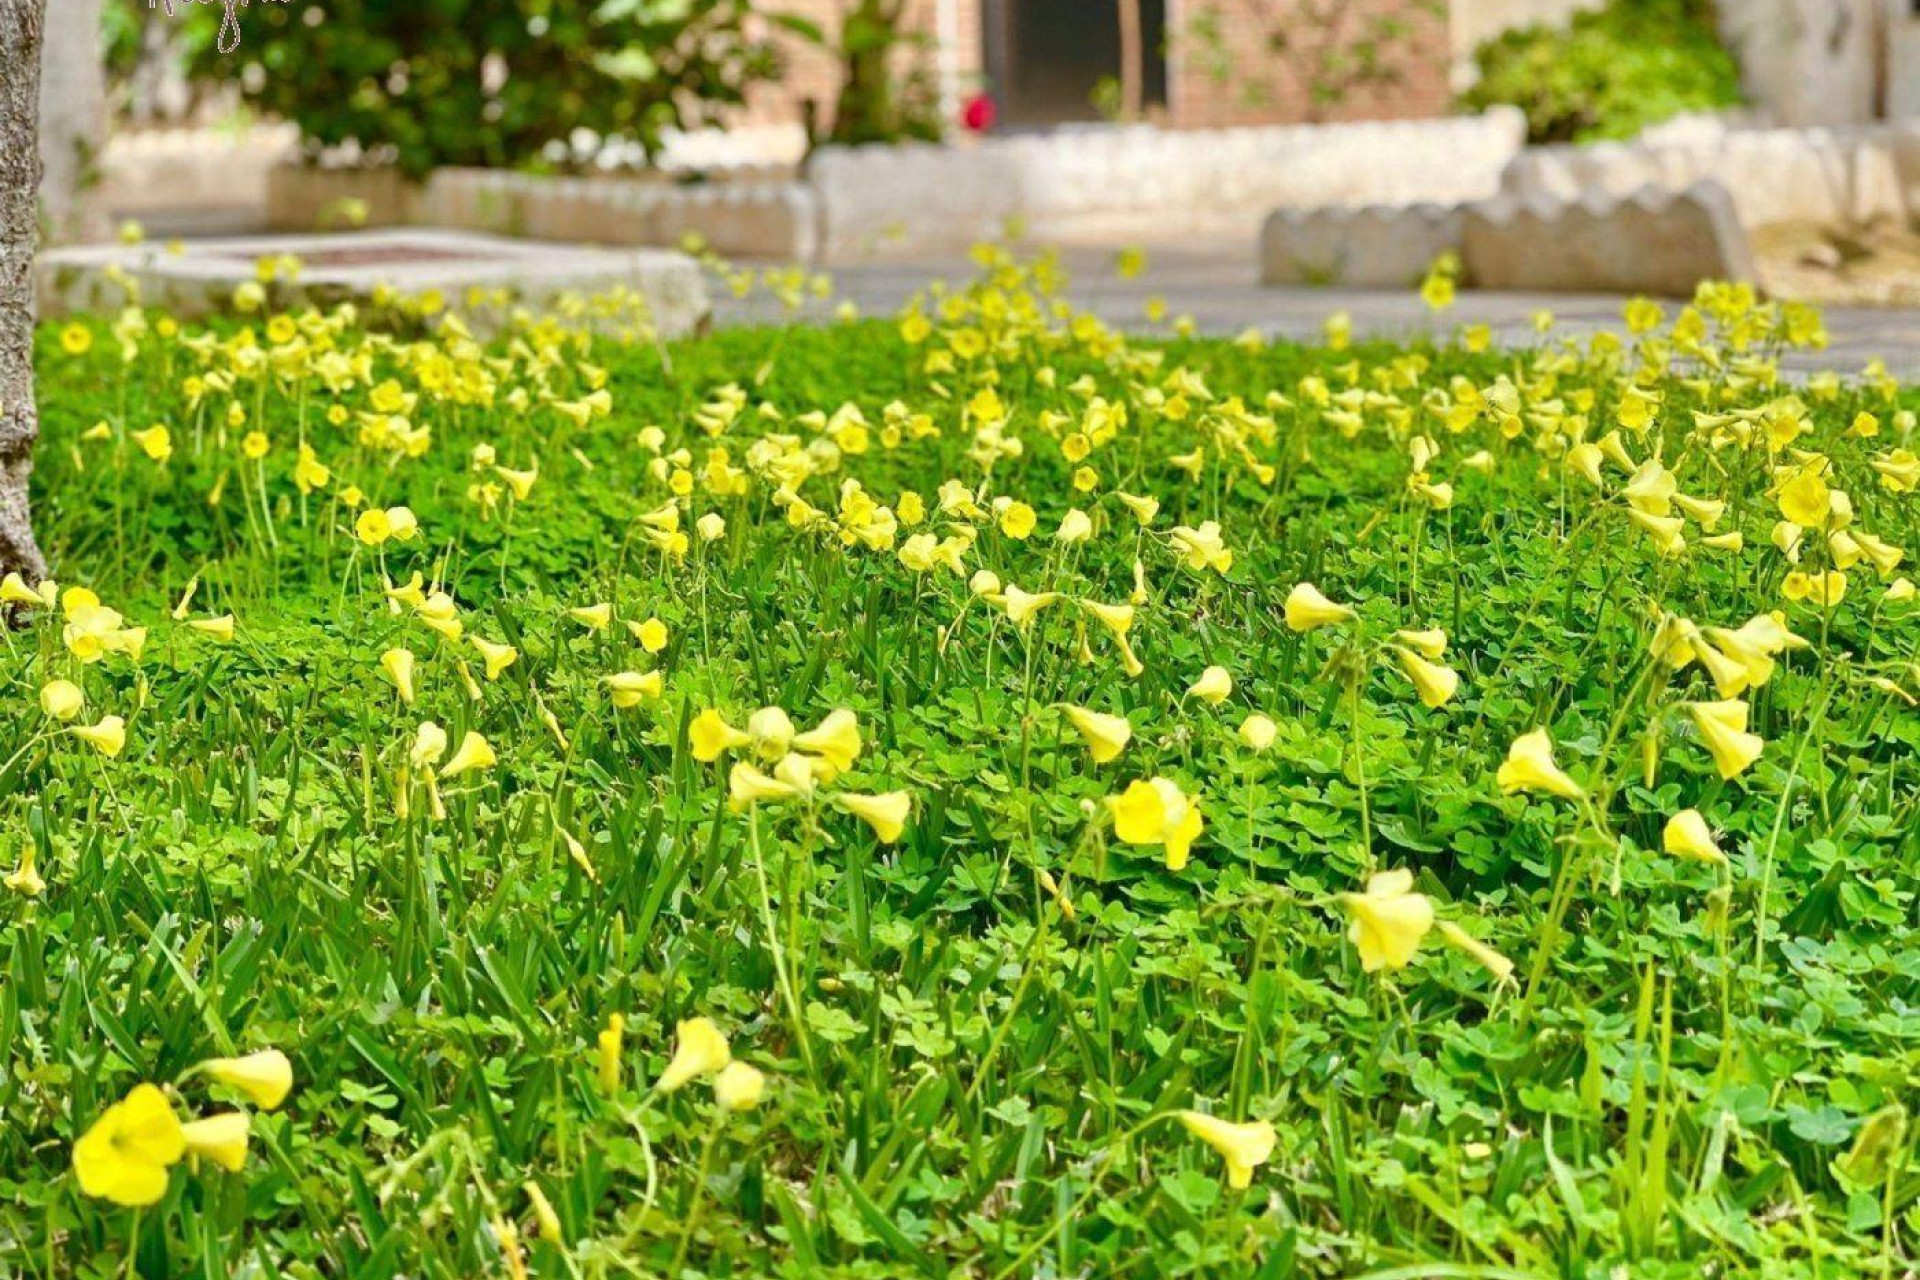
pixel 490 82
pixel 1611 73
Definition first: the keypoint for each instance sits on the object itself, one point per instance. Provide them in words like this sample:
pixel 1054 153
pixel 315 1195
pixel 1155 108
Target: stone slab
pixel 1370 247
pixel 201 277
pixel 1654 242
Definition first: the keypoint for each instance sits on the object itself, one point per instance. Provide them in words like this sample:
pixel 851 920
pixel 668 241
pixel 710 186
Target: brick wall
pixel 948 50
pixel 1223 64
pixel 1228 65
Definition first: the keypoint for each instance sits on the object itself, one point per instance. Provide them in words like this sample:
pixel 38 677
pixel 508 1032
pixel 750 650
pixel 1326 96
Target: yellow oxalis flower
pixel 126 1155
pixel 265 1076
pixel 397 666
pixel 1722 727
pixel 1307 609
pixel 710 737
pixel 109 737
pixel 739 1087
pixel 1388 920
pixel 61 699
pixel 220 1138
pixel 1107 735
pixel 1686 835
pixel 836 740
pixel 700 1049
pixel 1157 811
pixel 1258 731
pixel 886 813
pixel 1529 767
pixel 1244 1147
pixel 1213 686
pixel 472 753
pixel 1434 683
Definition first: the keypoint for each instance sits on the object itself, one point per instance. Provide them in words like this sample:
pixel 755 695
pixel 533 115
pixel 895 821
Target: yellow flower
pixel 372 527
pixel 711 737
pixel 25 878
pixel 126 1155
pixel 61 699
pixel 771 732
pixel 1804 498
pixel 1017 520
pixel 609 1053
pixel 429 744
pixel 747 785
pixel 885 813
pixel 1257 732
pixel 1434 683
pixel 1245 1147
pixel 1075 527
pixel 739 1087
pixel 595 617
pixel 397 666
pixel 220 1138
pixel 156 442
pixel 1430 644
pixel 472 753
pixel 630 688
pixel 1213 686
pixel 1106 735
pixel 546 1221
pixel 1021 606
pixel 1307 609
pixel 1686 836
pixel 1388 920
pixel 1722 727
pixel 699 1050
pixel 76 339
pixel 109 737
pixel 836 739
pixel 652 634
pixel 1201 548
pixel 1157 811
pixel 264 1076
pixel 1529 767
pixel 1479 952
pixel 497 657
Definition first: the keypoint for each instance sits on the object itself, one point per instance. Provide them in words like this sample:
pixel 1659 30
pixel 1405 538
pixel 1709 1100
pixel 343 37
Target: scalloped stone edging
pixel 1652 241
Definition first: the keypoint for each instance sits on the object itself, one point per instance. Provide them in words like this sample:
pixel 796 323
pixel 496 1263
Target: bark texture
pixel 22 23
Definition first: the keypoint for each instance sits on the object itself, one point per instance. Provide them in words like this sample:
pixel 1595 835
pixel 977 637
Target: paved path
pixel 1222 292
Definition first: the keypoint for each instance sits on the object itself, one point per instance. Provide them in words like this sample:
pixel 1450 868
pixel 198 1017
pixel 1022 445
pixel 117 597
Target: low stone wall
pixel 1828 176
pixel 746 215
pixel 741 217
pixel 189 179
pixel 200 278
pixel 1651 241
pixel 879 201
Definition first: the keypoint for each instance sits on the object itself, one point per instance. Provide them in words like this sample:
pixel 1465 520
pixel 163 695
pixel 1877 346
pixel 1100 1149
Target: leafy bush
pixel 487 82
pixel 1610 74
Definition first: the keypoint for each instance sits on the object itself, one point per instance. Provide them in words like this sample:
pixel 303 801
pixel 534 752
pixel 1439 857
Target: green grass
pixel 963 1079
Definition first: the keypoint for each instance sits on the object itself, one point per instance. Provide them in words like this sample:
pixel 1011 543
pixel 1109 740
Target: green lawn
pixel 976 1037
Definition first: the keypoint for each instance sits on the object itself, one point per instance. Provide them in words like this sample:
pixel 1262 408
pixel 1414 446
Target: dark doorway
pixel 1050 61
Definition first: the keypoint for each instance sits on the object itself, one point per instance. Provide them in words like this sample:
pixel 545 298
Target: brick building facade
pixel 1203 62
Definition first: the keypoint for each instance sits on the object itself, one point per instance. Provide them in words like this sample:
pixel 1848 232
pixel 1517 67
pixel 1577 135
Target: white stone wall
pixel 1825 176
pixel 883 201
pixel 73 120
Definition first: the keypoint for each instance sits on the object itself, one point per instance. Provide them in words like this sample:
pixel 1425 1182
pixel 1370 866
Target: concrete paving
pixel 1219 287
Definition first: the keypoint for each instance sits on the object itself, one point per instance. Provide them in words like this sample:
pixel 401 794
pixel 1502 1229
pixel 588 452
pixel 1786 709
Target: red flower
pixel 979 113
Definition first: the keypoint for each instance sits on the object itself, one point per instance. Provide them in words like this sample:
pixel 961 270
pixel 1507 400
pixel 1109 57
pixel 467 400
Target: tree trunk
pixel 21 24
pixel 1133 67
